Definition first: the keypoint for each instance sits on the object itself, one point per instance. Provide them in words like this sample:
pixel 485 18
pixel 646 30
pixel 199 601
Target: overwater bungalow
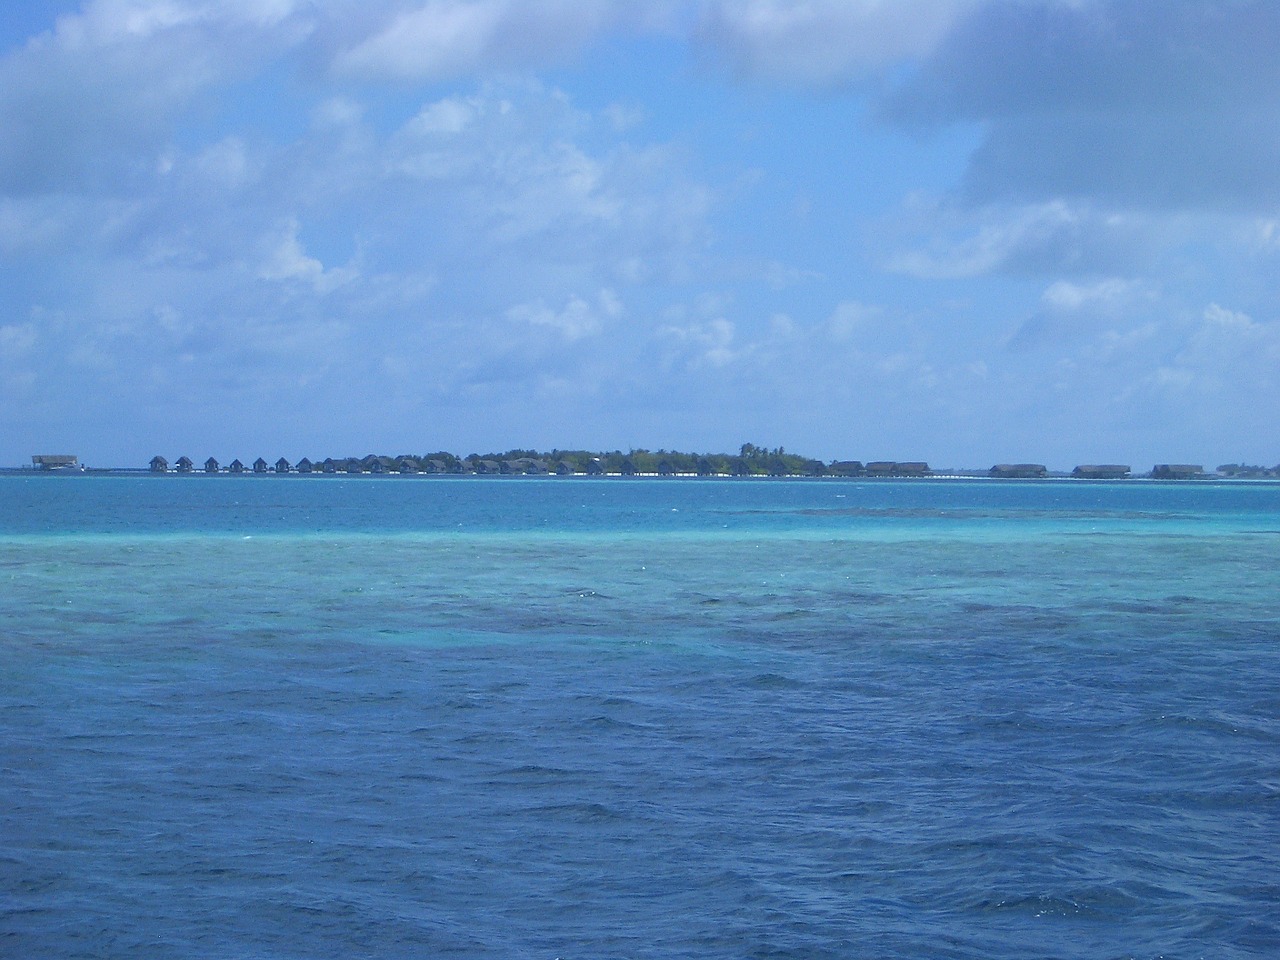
pixel 1019 471
pixel 259 466
pixel 846 468
pixel 1101 471
pixel 1177 471
pixel 409 465
pixel 55 461
pixel 159 465
pixel 330 465
pixel 913 468
pixel 211 465
pixel 184 465
pixel 305 465
pixel 235 466
pixel 283 466
pixel 897 468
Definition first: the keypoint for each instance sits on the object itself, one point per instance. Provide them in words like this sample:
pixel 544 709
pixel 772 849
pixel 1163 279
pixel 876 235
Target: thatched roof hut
pixel 1177 471
pixel 1101 471
pixel 55 461
pixel 1019 471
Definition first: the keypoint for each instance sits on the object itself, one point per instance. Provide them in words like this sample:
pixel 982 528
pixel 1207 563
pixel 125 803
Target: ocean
pixel 581 718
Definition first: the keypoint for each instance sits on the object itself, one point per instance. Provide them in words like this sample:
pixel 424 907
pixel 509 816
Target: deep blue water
pixel 563 717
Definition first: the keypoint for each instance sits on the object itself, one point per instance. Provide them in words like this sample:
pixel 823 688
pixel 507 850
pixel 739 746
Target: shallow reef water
pixel 638 718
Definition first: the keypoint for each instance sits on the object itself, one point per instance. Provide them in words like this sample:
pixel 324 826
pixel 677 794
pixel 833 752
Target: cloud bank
pixel 961 230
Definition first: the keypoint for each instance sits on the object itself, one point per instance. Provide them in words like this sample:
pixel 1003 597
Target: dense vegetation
pixel 749 461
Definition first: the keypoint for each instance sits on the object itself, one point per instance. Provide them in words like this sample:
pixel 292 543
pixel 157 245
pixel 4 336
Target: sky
pixel 960 231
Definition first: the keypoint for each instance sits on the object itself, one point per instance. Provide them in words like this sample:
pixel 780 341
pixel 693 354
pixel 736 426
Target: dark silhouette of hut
pixel 330 465
pixel 846 468
pixel 259 466
pixel 235 466
pixel 409 465
pixel 1019 471
pixel 55 461
pixel 1177 471
pixel 211 465
pixel 159 465
pixel 1101 471
pixel 305 465
pixel 912 468
pixel 283 465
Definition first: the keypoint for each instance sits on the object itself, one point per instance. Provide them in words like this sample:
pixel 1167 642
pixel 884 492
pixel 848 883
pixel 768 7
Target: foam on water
pixel 637 719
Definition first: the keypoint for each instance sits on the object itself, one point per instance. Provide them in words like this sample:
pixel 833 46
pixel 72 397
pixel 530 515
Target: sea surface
pixel 578 718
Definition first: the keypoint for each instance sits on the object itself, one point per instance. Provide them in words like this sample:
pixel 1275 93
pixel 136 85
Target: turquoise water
pixel 583 718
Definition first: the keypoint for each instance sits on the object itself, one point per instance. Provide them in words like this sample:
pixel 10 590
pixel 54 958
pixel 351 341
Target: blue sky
pixel 956 230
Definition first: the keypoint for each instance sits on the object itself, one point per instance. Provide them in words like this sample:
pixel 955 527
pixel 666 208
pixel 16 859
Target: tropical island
pixel 749 461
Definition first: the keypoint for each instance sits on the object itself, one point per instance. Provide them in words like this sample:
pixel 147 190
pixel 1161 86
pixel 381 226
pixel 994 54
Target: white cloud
pixel 1124 103
pixel 849 318
pixel 438 39
pixel 1111 296
pixel 283 258
pixel 441 39
pixel 83 103
pixel 947 241
pixel 709 343
pixel 16 339
pixel 576 320
pixel 825 42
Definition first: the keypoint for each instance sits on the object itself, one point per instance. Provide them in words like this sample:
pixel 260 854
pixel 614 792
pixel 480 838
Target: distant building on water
pixel 1101 471
pixel 1019 471
pixel 55 461
pixel 1177 471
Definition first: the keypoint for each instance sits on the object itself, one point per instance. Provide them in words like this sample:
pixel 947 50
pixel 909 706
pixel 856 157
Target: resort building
pixel 1019 471
pixel 55 461
pixel 891 468
pixel 211 465
pixel 846 468
pixel 159 465
pixel 1177 471
pixel 1101 471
